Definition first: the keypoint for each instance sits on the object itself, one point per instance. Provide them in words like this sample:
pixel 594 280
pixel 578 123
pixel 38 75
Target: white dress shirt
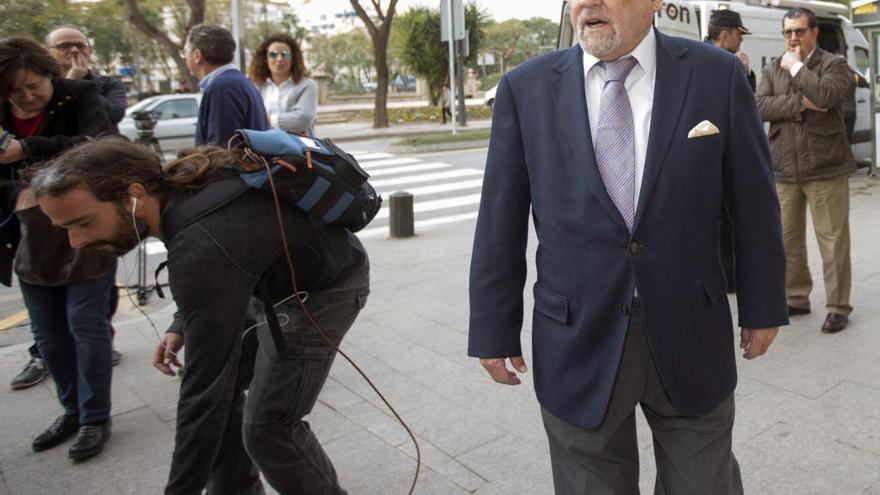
pixel 640 90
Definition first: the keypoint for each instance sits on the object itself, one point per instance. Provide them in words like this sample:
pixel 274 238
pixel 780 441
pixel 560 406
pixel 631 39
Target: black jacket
pixel 74 113
pixel 113 95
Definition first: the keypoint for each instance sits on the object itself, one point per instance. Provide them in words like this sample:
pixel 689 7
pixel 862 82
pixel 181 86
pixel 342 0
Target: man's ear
pixel 136 193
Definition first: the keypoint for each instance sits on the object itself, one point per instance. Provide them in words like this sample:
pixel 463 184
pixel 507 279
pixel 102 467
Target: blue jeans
pixel 72 332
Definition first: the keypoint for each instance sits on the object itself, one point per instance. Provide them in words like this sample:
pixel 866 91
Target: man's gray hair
pixel 215 42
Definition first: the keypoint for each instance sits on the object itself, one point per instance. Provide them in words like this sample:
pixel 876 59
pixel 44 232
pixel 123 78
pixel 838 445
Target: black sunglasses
pixel 283 54
pixel 67 45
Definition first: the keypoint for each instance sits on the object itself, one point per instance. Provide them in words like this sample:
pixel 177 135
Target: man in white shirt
pixel 622 149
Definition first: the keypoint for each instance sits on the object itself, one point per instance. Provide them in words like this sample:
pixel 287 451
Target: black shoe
pixel 792 311
pixel 63 428
pixel 116 357
pixel 33 373
pixel 89 441
pixel 834 323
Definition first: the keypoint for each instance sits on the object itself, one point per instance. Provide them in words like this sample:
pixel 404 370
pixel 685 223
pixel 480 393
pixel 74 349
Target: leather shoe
pixel 792 311
pixel 89 441
pixel 834 323
pixel 63 428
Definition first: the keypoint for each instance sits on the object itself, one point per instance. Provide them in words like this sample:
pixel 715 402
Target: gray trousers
pixel 693 454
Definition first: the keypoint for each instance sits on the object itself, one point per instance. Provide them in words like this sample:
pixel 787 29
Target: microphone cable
pixel 314 323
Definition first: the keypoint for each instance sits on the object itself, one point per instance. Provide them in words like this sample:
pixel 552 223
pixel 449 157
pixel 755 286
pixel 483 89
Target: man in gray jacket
pixel 801 94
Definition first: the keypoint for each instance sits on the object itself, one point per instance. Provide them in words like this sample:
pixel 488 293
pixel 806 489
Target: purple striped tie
pixel 615 141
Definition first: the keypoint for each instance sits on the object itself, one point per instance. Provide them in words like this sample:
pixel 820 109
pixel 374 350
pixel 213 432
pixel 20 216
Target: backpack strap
pixel 210 199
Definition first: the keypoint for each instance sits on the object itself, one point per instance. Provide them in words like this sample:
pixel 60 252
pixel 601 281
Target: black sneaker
pixel 63 428
pixel 33 373
pixel 116 357
pixel 89 441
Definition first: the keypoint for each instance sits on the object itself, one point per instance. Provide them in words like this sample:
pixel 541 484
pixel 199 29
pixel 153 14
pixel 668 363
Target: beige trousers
pixel 829 208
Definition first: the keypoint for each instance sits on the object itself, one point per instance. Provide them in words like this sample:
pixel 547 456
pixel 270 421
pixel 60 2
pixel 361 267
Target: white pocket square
pixel 704 128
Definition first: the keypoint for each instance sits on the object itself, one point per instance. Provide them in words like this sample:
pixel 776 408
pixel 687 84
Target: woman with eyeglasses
pixel 66 291
pixel 290 97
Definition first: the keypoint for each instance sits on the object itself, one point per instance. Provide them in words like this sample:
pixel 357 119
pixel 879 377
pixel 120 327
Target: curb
pixel 429 148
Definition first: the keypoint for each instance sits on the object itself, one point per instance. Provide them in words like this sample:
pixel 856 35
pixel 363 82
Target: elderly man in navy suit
pixel 623 147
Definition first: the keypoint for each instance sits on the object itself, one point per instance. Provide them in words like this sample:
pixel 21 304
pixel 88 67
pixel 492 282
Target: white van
pixel 690 19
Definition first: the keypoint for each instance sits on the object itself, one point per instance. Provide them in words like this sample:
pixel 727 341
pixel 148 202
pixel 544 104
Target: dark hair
pixel 259 69
pixel 18 54
pixel 105 167
pixel 812 20
pixel 714 31
pixel 215 42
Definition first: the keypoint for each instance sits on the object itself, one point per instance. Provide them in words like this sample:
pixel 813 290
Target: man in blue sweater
pixel 229 100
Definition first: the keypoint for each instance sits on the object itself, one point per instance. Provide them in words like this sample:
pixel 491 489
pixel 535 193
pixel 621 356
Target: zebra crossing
pixel 442 193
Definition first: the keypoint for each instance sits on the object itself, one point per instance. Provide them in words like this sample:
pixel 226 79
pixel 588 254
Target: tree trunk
pixel 172 49
pixel 380 114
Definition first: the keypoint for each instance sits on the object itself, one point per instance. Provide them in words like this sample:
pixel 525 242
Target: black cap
pixel 728 19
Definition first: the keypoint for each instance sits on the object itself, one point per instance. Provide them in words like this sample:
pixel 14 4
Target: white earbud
pixel 134 204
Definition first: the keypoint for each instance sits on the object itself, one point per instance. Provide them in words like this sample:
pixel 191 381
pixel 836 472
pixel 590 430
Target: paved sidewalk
pixel 808 417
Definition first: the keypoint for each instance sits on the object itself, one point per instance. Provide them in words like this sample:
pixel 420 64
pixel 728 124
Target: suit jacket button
pixel 625 309
pixel 635 248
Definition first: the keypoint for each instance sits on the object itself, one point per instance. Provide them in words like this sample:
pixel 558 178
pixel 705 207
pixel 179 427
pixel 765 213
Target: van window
pixel 831 37
pixel 863 61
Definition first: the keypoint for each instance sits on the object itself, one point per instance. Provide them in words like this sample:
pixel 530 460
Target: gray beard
pixel 596 45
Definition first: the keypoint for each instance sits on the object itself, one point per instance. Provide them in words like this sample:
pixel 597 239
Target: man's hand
pixel 13 152
pixel 165 354
pixel 80 67
pixel 498 369
pixel 744 59
pixel 809 105
pixel 756 341
pixel 791 57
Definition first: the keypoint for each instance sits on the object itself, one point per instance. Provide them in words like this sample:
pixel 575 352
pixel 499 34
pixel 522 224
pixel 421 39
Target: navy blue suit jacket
pixel 541 157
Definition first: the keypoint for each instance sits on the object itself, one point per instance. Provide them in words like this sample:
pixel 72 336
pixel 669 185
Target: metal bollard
pixel 402 220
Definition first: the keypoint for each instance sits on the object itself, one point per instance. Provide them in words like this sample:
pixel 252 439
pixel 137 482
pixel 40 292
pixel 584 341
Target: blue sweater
pixel 229 103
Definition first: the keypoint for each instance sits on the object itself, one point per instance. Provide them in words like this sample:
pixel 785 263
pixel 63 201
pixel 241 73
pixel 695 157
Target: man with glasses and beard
pixel 801 94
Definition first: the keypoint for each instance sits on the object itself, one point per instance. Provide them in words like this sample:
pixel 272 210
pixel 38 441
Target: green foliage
pixel 409 115
pixel 346 57
pixel 445 137
pixel 418 48
pixel 34 18
pixel 514 41
pixel 489 81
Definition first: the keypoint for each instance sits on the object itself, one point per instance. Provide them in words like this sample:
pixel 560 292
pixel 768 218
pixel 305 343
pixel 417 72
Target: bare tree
pixel 172 49
pixel 380 30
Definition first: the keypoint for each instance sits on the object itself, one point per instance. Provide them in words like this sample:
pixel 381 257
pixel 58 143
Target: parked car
pixel 489 97
pixel 176 128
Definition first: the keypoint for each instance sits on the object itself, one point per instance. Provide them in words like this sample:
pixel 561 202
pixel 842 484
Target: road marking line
pixel 371 156
pixel 387 163
pixel 410 168
pixel 378 231
pixel 13 320
pixel 462 172
pixel 439 188
pixel 155 247
pixel 439 204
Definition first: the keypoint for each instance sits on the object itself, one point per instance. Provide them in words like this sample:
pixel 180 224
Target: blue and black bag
pixel 311 174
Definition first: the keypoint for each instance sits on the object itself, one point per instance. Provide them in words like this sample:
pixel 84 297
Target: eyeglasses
pixel 69 45
pixel 788 33
pixel 183 53
pixel 286 55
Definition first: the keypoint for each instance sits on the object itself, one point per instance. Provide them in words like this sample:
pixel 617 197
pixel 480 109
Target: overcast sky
pixel 499 10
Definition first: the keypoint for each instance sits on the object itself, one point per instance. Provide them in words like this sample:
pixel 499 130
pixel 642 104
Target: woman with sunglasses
pixel 290 97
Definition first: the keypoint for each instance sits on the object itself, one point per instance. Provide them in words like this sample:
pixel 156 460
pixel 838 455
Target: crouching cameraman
pixel 109 194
